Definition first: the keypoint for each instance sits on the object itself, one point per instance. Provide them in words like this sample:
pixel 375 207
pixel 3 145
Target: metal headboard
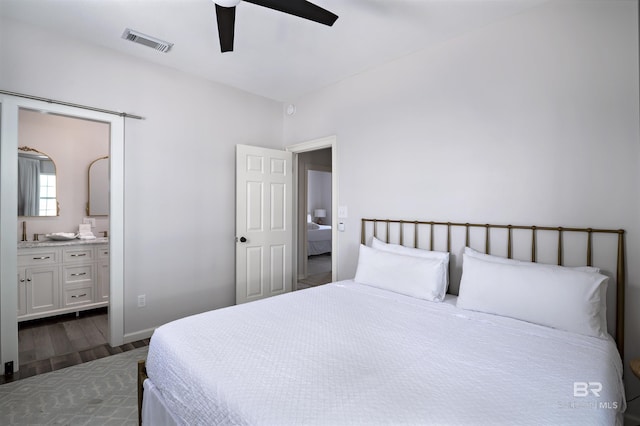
pixel 418 225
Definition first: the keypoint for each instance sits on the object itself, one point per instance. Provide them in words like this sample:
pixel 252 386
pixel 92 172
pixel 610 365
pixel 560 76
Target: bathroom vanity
pixel 58 277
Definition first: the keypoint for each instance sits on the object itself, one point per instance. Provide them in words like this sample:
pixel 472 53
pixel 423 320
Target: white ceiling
pixel 276 55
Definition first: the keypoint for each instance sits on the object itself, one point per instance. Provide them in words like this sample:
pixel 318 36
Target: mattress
pixel 319 240
pixel 349 354
pixel 319 247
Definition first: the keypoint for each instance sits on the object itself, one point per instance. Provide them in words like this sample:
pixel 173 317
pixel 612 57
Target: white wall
pixel 179 163
pixel 319 194
pixel 532 120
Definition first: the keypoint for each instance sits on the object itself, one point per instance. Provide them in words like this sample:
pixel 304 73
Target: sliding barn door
pixel 264 222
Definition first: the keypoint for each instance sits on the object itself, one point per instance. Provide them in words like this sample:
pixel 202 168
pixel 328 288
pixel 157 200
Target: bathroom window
pixel 48 205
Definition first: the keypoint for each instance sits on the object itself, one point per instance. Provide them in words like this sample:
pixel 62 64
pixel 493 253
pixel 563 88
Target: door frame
pixel 9 107
pixel 314 145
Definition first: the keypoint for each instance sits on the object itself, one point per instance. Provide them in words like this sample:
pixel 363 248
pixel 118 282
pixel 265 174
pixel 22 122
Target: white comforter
pixel 346 353
pixel 323 233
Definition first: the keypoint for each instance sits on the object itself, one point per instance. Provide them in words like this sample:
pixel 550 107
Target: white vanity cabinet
pixel 54 280
pixel 102 252
pixel 38 281
pixel 79 276
pixel 22 295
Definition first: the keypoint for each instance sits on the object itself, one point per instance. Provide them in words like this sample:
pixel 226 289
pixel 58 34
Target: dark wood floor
pixel 318 270
pixel 57 342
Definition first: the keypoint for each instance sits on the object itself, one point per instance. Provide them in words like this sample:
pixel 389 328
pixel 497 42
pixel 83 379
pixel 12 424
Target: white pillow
pixel 418 277
pixel 311 225
pixel 557 297
pixel 504 260
pixel 410 251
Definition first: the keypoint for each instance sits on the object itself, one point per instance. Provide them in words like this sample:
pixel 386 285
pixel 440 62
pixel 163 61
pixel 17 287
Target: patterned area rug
pixel 99 392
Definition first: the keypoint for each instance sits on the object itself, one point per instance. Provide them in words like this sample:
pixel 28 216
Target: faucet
pixel 106 233
pixel 24 230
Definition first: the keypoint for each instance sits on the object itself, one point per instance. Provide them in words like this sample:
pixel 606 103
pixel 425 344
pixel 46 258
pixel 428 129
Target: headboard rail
pixel 371 227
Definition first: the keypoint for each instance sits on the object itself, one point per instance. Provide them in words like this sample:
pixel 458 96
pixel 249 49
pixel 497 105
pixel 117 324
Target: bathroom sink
pixel 62 236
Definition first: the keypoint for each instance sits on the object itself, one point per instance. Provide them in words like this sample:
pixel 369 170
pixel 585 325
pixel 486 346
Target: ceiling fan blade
pixel 226 22
pixel 300 8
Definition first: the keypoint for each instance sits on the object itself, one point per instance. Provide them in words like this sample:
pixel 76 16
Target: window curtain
pixel 28 186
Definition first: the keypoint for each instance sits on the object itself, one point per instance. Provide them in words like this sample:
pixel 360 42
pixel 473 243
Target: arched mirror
pixel 98 204
pixel 37 187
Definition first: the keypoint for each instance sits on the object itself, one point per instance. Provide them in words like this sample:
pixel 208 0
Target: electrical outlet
pixel 90 220
pixel 142 301
pixel 8 368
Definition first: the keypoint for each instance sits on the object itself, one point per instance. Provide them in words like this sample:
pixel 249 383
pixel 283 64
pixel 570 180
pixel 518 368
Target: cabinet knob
pixel 243 240
pixel 29 279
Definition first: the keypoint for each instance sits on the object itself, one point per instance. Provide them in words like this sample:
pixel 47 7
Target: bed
pixel 318 239
pixel 357 352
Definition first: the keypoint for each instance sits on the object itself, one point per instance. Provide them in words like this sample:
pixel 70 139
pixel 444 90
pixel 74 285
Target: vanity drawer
pixel 103 252
pixel 41 257
pixel 78 296
pixel 75 274
pixel 84 254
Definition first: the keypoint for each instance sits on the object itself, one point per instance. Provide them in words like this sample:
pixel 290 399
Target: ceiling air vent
pixel 137 37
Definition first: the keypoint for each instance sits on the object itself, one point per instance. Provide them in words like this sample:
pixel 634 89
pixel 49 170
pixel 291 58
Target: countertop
pixel 54 243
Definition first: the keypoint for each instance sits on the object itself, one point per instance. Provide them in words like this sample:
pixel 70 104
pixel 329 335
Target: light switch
pixel 342 212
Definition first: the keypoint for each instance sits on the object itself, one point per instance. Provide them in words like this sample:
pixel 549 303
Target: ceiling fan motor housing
pixel 227 3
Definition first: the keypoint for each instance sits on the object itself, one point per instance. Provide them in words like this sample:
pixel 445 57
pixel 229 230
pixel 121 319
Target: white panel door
pixel 264 222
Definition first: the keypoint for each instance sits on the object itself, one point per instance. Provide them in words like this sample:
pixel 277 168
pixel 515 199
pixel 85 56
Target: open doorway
pixel 63 248
pixel 14 293
pixel 315 237
pixel 290 227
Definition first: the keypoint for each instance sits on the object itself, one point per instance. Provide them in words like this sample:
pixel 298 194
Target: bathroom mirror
pixel 98 204
pixel 37 186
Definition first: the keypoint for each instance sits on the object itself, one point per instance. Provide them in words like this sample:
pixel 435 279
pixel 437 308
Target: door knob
pixel 243 240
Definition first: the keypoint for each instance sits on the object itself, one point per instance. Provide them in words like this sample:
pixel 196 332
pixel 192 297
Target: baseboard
pixel 138 335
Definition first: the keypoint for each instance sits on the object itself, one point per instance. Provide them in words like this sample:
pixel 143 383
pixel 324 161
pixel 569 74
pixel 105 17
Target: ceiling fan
pixel 226 15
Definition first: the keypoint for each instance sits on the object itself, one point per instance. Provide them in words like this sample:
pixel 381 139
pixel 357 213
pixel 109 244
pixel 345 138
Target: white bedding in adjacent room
pixel 346 353
pixel 319 240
